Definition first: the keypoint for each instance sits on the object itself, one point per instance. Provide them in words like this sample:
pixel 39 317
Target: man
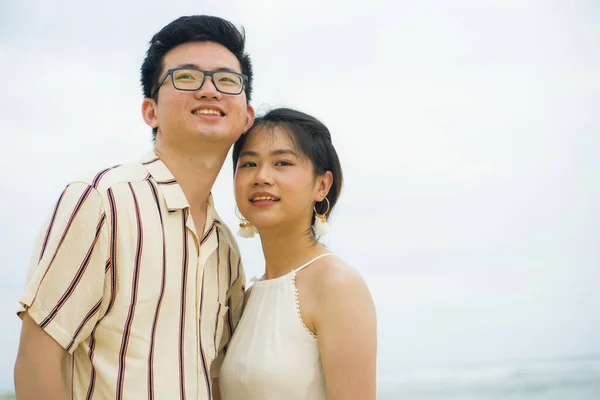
pixel 136 285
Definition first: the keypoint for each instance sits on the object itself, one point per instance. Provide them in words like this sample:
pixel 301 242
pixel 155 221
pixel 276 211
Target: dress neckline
pixel 263 281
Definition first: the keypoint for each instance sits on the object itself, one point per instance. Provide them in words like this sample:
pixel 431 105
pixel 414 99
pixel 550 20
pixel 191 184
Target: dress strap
pixel 312 261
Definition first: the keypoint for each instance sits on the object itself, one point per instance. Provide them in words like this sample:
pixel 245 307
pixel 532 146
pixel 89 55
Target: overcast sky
pixel 469 134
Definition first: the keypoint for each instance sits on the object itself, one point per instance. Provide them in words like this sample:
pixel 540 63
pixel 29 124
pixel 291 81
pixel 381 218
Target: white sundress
pixel 272 354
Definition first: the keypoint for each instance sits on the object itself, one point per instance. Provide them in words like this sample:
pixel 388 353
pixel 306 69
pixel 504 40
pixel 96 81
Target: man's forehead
pixel 204 55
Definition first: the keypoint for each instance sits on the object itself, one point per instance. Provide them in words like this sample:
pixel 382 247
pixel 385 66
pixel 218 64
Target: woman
pixel 309 328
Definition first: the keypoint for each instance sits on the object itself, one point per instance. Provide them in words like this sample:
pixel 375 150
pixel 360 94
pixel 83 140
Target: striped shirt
pixel 122 280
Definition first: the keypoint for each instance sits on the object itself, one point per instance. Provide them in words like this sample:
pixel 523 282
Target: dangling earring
pixel 246 229
pixel 321 225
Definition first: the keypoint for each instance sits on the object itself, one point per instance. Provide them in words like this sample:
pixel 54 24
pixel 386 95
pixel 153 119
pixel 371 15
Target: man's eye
pixel 185 77
pixel 227 79
pixel 282 164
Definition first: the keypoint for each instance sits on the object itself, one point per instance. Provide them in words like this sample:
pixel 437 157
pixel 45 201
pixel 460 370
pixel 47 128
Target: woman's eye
pixel 248 164
pixel 282 164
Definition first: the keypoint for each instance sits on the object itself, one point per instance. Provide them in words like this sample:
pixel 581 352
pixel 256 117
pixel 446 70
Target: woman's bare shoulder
pixel 335 275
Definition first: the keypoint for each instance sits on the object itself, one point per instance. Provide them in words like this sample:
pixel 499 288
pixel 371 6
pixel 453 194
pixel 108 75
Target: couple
pixel 136 288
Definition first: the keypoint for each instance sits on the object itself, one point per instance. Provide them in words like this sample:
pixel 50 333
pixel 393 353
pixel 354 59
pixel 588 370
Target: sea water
pixel 568 379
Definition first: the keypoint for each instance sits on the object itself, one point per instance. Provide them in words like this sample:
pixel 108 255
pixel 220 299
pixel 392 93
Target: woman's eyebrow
pixel 283 151
pixel 248 153
pixel 277 152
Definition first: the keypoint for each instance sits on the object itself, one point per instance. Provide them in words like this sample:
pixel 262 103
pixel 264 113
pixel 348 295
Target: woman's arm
pixel 346 328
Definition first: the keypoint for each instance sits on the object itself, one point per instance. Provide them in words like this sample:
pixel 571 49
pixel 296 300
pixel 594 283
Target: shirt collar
pixel 174 196
pixel 166 182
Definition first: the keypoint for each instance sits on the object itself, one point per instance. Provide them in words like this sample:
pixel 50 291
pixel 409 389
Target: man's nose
pixel 208 89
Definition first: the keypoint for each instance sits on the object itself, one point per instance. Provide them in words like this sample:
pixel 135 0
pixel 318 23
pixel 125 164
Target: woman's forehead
pixel 269 137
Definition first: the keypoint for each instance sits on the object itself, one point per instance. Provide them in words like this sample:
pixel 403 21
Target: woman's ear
pixel 323 185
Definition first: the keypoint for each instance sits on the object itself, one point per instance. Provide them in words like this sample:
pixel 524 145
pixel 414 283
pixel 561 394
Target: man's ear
pixel 149 112
pixel 250 118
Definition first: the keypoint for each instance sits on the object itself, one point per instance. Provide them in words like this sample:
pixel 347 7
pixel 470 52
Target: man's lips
pixel 209 110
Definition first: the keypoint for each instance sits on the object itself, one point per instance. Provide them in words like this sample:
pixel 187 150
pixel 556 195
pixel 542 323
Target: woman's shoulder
pixel 334 275
pixel 340 297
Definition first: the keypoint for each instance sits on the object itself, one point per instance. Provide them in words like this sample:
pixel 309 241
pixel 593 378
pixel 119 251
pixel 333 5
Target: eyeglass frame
pixel 204 75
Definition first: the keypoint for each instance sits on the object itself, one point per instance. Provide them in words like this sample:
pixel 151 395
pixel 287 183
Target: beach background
pixel 469 135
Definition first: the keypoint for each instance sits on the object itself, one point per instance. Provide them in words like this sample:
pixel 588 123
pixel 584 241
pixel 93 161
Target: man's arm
pixel 40 364
pixel 63 293
pixel 216 392
pixel 236 304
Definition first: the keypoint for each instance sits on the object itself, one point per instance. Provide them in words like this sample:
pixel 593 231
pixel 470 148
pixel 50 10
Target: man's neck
pixel 194 169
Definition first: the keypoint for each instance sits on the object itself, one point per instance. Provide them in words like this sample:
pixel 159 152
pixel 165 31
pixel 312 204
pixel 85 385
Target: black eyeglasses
pixel 190 79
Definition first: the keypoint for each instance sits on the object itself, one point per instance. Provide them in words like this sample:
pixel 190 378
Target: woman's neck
pixel 285 251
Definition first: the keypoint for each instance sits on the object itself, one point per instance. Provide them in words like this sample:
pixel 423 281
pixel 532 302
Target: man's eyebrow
pixel 188 65
pixel 278 152
pixel 195 66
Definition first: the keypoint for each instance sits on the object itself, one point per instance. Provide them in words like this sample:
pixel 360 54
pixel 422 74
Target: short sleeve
pixel 65 281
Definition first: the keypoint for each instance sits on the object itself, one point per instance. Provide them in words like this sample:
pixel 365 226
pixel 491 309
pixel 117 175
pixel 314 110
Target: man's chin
pixel 226 138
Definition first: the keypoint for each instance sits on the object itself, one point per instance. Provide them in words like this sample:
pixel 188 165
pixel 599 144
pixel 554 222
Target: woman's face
pixel 275 185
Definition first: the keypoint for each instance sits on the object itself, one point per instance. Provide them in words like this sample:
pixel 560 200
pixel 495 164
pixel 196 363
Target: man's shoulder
pixel 108 177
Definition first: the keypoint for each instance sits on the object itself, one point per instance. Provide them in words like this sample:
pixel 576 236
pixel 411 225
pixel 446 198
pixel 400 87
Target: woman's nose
pixel 263 176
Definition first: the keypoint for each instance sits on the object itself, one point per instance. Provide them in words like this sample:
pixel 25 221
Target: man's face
pixel 205 114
